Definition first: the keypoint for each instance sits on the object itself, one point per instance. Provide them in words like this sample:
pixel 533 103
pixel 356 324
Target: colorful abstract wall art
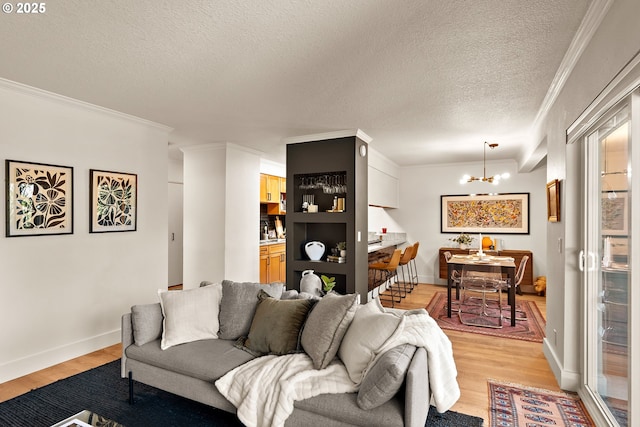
pixel 485 213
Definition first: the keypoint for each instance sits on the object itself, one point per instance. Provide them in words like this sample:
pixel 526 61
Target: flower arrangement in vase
pixel 463 240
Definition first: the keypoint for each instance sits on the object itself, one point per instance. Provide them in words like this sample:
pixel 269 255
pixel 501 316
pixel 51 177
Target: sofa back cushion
pixel 276 326
pixel 326 325
pixel 369 330
pixel 190 315
pixel 146 320
pixel 385 377
pixel 238 306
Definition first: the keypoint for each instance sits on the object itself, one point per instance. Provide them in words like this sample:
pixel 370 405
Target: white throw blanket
pixel 421 330
pixel 264 389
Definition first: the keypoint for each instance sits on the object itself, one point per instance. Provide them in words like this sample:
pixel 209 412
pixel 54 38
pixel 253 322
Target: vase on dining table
pixel 464 246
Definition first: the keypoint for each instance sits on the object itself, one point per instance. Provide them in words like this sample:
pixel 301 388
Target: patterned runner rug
pixel 514 405
pixel 529 329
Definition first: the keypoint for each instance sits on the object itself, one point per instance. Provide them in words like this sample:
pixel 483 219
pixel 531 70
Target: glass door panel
pixel 607 262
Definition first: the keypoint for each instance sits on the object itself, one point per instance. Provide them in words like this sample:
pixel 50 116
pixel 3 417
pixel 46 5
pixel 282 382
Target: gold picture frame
pixel 553 201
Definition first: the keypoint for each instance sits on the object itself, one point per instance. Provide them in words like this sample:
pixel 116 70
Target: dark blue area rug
pixel 101 390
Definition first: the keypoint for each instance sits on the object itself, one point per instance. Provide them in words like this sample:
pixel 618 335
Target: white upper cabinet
pixel 383 181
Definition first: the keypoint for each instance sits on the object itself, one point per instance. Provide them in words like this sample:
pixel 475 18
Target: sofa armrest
pixel 417 392
pixel 127 340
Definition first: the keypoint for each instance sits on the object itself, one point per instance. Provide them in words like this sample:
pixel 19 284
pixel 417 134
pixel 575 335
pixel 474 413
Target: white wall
pixel 63 296
pixel 615 42
pixel 221 210
pixel 419 214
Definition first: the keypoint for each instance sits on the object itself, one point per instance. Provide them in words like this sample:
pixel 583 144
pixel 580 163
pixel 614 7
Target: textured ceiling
pixel 428 80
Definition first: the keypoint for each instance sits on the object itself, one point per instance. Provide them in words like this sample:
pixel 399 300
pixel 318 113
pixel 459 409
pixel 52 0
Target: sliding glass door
pixel 606 260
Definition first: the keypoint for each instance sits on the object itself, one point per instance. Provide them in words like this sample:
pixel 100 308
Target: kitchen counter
pixel 272 241
pixel 386 243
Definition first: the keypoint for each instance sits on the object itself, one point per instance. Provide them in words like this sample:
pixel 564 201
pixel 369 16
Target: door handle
pixel 586 261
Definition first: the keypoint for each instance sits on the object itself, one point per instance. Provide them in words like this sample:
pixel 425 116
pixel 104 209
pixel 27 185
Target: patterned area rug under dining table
pixel 530 328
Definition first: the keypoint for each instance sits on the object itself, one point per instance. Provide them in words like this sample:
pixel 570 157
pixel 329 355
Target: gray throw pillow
pixel 276 325
pixel 385 377
pixel 239 301
pixel 326 326
pixel 146 320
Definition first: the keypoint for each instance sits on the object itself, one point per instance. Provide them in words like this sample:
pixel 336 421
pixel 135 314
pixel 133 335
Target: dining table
pixel 482 262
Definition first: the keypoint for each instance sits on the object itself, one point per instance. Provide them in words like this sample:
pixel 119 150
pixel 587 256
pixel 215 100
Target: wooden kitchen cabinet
pixel 273 191
pixel 273 263
pixel 269 188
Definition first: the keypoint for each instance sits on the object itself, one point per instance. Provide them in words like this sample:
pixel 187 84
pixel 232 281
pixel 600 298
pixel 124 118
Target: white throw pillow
pixel 370 329
pixel 190 315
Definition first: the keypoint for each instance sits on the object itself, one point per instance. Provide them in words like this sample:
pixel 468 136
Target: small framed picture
pixel 553 201
pixel 39 199
pixel 113 201
pixel 615 213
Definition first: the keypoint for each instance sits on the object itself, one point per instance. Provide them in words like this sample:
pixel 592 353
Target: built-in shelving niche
pixel 339 161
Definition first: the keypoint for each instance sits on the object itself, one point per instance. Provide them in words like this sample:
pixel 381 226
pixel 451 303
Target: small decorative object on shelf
pixel 314 250
pixel 310 283
pixel 329 283
pixel 463 240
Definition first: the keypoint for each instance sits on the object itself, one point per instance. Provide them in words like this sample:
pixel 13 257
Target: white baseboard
pixel 35 362
pixel 567 380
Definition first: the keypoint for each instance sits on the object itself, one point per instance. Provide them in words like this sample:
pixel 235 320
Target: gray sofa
pixel 190 370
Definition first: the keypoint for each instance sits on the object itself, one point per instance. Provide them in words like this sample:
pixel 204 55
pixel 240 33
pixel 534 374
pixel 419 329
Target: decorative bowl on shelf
pixel 314 250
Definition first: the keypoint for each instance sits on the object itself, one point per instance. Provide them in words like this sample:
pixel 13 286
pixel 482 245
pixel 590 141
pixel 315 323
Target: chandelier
pixel 495 179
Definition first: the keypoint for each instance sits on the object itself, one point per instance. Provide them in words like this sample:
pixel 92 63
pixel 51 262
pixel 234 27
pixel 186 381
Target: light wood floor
pixel 478 358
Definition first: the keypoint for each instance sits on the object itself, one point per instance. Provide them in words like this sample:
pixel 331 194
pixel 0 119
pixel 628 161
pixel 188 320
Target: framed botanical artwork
pixel 615 213
pixel 113 201
pixel 485 213
pixel 553 201
pixel 39 199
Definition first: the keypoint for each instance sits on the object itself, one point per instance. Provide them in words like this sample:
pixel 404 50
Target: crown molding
pixel 50 96
pixel 590 23
pixel 213 146
pixel 329 135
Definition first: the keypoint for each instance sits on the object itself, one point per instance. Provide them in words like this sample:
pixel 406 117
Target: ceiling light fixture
pixel 495 179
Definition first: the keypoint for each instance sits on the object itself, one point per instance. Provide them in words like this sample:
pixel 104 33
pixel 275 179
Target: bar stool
pixel 413 262
pixel 405 259
pixel 388 270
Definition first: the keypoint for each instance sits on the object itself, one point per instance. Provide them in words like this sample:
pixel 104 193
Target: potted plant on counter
pixel 463 240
